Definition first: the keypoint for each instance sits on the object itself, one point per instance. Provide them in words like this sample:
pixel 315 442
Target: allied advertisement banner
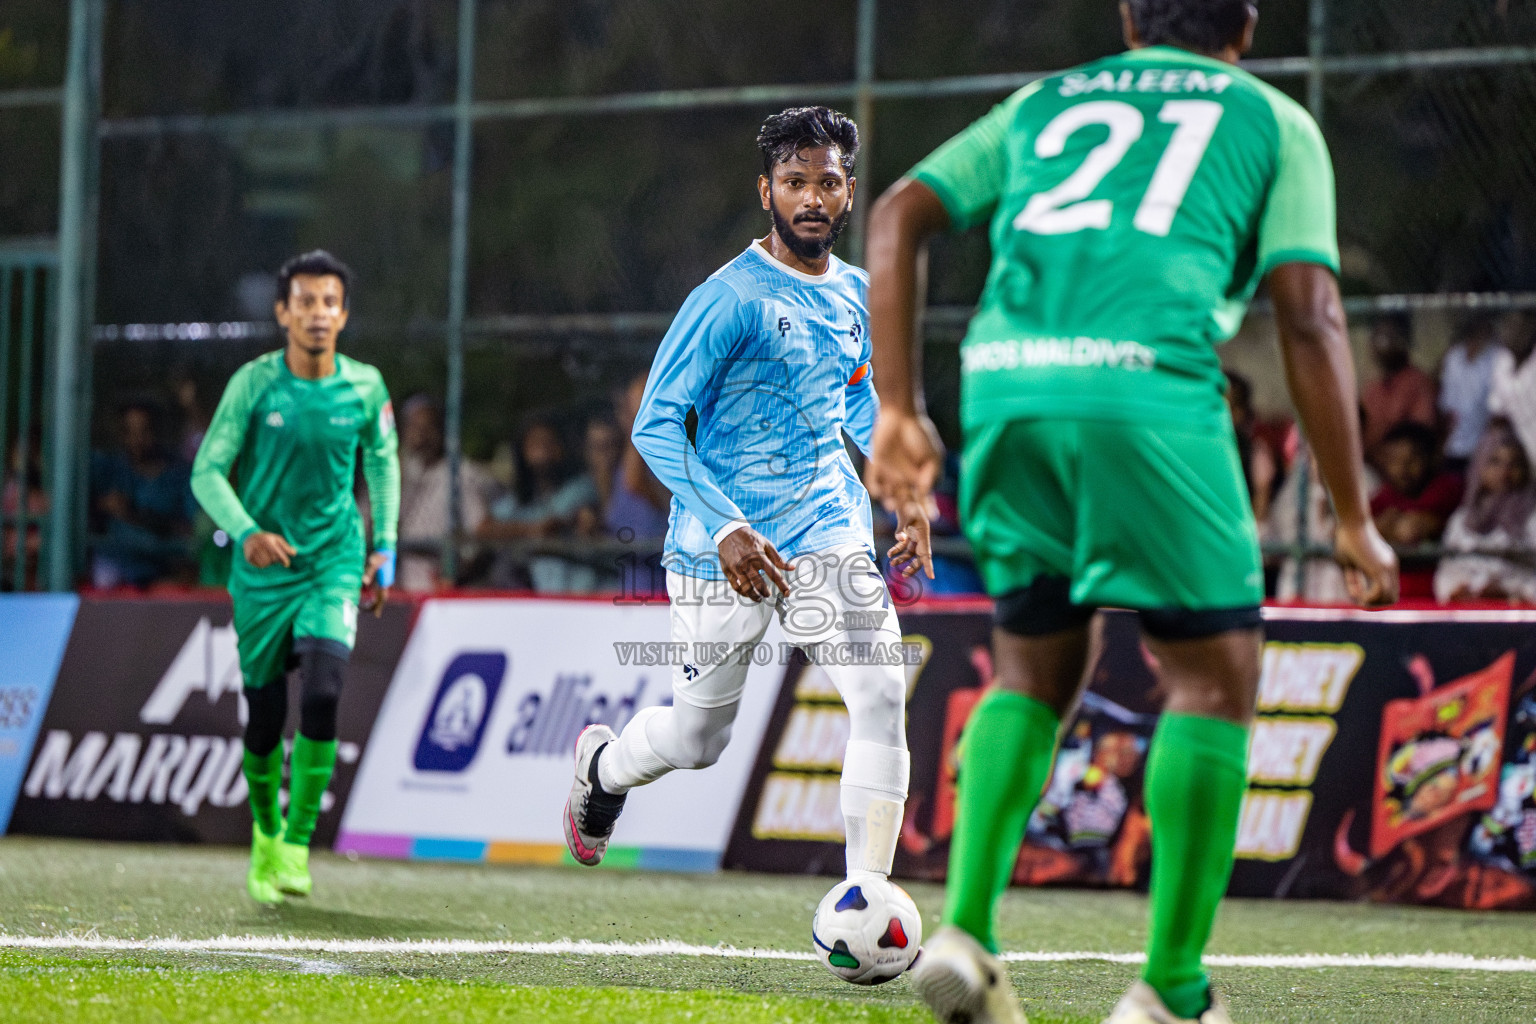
pixel 1393 757
pixel 471 757
pixel 142 739
pixel 33 631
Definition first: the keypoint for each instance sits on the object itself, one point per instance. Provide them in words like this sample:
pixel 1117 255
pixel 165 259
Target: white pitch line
pixel 572 947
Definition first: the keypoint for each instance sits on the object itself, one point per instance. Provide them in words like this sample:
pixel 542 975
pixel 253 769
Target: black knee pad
pixel 1174 624
pixel 322 664
pixel 266 711
pixel 1042 608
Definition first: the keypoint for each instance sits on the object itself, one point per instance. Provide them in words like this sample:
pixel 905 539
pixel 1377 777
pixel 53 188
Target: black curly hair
pixel 790 131
pixel 1206 26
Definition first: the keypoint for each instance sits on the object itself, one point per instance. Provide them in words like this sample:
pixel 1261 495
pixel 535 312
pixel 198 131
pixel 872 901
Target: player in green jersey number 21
pixel 1134 205
pixel 290 426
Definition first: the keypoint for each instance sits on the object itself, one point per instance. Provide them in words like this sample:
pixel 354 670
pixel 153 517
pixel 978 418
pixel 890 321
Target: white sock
pixel 630 760
pixel 873 798
pixel 663 739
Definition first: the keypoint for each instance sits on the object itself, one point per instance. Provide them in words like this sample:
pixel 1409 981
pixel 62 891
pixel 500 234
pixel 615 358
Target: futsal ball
pixel 867 932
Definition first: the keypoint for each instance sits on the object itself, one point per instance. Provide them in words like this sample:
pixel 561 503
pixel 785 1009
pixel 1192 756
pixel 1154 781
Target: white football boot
pixel 591 810
pixel 1142 1005
pixel 962 983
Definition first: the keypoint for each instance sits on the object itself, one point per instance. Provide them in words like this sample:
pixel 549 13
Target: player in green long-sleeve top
pixel 289 428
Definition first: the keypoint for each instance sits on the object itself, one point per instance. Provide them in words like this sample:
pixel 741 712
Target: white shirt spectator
pixel 1498 514
pixel 1465 385
pixel 1513 396
pixel 1477 573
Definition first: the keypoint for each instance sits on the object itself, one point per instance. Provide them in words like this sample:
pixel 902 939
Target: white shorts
pixel 835 597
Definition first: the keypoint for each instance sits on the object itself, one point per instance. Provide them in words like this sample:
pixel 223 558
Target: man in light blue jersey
pixel 771 354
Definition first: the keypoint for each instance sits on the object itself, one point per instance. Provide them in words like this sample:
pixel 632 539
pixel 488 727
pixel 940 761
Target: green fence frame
pixel 84 131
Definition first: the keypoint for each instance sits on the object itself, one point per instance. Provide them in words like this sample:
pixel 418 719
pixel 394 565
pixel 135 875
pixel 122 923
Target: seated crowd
pixel 1447 462
pixel 569 506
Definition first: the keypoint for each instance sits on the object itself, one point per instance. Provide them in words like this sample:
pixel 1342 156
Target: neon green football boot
pixel 291 868
pixel 261 880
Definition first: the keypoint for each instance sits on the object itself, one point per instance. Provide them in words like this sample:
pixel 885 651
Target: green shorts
pixel 1139 516
pixel 289 606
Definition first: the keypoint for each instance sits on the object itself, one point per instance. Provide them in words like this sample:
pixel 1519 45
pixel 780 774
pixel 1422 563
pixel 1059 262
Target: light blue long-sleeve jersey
pixel 776 363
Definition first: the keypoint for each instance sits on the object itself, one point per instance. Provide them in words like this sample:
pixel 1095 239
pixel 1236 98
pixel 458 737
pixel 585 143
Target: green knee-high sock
pixel 309 774
pixel 263 778
pixel 1010 742
pixel 1197 771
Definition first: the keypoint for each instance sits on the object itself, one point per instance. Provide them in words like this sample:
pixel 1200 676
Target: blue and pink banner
pixel 34 629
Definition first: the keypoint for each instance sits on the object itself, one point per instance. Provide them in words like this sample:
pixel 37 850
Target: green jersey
pixel 293 444
pixel 1135 204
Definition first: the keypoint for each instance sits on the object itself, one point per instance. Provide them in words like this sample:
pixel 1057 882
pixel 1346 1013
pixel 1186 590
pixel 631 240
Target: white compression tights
pixel 875 768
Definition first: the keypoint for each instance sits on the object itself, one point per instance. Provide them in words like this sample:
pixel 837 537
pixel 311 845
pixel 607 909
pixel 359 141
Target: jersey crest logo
pixel 274 419
pixel 387 419
pixel 857 330
pixel 783 326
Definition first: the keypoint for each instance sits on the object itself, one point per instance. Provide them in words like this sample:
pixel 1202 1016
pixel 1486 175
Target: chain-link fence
pixel 527 188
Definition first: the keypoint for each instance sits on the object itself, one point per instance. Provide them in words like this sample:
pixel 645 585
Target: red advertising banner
pixel 1439 755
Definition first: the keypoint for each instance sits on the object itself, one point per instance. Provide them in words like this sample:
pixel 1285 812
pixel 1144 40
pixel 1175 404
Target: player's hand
pixel 905 460
pixel 1370 565
pixel 378 577
pixel 263 549
pixel 745 558
pixel 914 548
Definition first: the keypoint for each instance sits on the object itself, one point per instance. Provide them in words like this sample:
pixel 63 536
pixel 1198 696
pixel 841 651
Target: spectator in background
pixel 601 452
pixel 1512 397
pixel 1466 379
pixel 1403 393
pixel 545 505
pixel 194 419
pixel 142 500
pixel 424 493
pixel 1260 467
pixel 22 489
pixel 1499 513
pixel 1415 498
pixel 637 502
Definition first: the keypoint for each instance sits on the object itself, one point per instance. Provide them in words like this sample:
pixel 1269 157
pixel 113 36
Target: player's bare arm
pixel 745 558
pixel 1321 377
pixel 907 455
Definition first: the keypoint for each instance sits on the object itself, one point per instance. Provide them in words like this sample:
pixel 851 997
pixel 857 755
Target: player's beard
pixel 808 248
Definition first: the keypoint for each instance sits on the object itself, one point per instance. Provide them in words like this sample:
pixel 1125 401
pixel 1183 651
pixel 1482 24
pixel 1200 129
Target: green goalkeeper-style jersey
pixel 292 444
pixel 1135 204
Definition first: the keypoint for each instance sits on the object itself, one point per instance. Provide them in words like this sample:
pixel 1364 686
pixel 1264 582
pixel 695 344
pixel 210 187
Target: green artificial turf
pixel 125 891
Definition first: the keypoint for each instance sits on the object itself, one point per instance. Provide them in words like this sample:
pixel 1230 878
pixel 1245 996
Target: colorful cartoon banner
pixel 1393 757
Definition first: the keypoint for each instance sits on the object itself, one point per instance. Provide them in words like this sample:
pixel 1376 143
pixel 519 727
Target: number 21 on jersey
pixel 1066 208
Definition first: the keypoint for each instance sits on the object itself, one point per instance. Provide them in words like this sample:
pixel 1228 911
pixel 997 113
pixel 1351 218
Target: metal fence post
pixel 864 114
pixel 26 355
pixel 1317 42
pixel 77 255
pixel 458 284
pixel 1317 23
